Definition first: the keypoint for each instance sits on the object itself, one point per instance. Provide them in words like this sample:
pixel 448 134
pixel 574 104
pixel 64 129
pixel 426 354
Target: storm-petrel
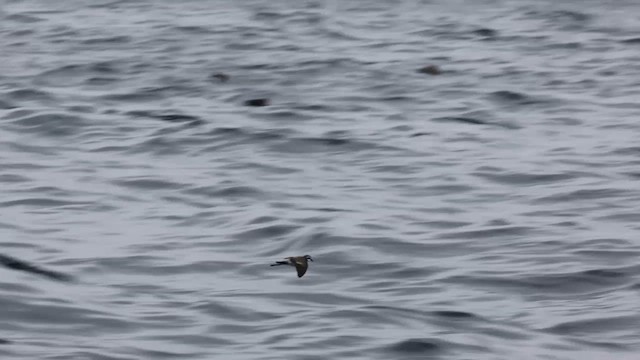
pixel 299 262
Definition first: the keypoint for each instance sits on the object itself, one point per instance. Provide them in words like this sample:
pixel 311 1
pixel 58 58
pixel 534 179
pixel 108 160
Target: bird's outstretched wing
pixel 301 267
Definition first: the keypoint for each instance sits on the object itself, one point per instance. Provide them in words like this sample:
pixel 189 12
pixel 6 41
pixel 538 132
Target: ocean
pixel 465 175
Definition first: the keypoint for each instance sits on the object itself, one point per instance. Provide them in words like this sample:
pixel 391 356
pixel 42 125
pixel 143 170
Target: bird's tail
pixel 280 263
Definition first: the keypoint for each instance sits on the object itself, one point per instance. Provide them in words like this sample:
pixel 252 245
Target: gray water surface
pixel 488 212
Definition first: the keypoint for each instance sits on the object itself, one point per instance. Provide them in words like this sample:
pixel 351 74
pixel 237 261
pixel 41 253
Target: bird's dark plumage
pixel 299 262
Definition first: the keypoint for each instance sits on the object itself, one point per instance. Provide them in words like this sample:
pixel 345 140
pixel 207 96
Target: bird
pixel 299 262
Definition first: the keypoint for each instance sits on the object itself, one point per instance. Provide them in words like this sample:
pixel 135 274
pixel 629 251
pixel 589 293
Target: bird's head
pixel 308 257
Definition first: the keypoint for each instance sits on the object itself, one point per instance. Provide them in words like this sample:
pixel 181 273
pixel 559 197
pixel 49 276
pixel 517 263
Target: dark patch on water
pixel 6 105
pixel 20 265
pixel 39 203
pixel 509 96
pixel 493 232
pixel 545 286
pixel 632 41
pixel 415 346
pixel 257 102
pixel 324 144
pixel 22 18
pixel 630 150
pixel 221 77
pixel 51 125
pixel 583 195
pixel 596 325
pixel 266 232
pixel 167 116
pixel 29 95
pixel 222 191
pixel 418 134
pixel 485 32
pixel 524 179
pixel 107 40
pixel 472 121
pixel 101 81
pixel 148 184
pixel 454 314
